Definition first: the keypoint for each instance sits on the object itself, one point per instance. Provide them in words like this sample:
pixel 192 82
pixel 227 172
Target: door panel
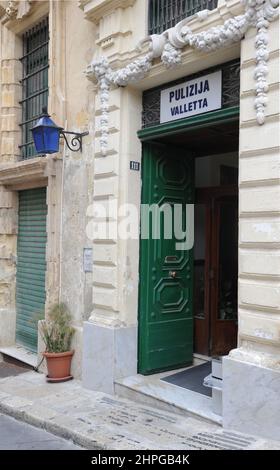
pixel 225 265
pixel 165 302
pixel 31 265
pixel 201 278
pixel 216 270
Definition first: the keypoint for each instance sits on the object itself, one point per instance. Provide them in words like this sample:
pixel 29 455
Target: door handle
pixel 172 274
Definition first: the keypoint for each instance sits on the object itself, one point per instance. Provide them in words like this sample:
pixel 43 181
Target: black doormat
pixel 192 379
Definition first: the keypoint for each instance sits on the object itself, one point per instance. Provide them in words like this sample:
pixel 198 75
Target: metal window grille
pixel 34 82
pixel 164 14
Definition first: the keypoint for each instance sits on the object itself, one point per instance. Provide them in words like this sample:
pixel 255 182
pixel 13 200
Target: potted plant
pixel 57 333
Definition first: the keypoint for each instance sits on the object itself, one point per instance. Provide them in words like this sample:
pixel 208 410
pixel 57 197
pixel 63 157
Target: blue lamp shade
pixel 46 134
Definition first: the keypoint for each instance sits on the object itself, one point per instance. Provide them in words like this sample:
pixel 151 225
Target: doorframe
pixel 176 127
pixel 216 322
pixel 189 124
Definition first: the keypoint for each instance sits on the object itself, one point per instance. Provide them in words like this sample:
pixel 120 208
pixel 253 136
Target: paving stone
pixel 98 421
pixel 3 395
pixel 16 402
pixel 35 414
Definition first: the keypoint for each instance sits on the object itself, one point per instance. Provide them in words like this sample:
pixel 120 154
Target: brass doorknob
pixel 172 274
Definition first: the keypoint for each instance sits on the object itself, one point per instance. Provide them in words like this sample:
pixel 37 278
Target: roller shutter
pixel 31 265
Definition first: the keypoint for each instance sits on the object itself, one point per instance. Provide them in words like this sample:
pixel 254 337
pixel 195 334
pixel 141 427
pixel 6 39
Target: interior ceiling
pixel 211 140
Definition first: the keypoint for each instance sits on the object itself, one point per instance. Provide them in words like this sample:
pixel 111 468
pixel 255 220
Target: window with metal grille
pixel 164 14
pixel 34 82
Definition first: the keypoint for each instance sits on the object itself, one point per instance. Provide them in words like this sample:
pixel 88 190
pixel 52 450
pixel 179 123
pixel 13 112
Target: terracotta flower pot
pixel 59 365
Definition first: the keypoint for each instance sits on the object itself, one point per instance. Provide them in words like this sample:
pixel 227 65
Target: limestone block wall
pixel 69 176
pixel 9 141
pixel 12 24
pixel 54 174
pixel 8 230
pixel 115 270
pixel 110 335
pixel 259 225
pixel 120 24
pixel 259 201
pixel 10 96
pixel 115 264
pixel 77 94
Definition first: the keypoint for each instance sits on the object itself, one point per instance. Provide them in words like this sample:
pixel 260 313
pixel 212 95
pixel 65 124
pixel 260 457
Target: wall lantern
pixel 46 136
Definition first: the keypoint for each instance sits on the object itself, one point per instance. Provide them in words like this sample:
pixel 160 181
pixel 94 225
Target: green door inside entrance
pixel 31 265
pixel 166 272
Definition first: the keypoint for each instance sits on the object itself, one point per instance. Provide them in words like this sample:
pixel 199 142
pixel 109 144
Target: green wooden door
pixel 165 302
pixel 31 265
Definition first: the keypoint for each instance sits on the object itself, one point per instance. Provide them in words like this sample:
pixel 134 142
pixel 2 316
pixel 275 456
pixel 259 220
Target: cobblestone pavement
pixel 99 421
pixel 16 435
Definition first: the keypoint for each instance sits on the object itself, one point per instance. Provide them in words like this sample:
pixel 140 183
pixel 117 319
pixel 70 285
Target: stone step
pixel 216 384
pixel 217 367
pixel 152 391
pixel 21 354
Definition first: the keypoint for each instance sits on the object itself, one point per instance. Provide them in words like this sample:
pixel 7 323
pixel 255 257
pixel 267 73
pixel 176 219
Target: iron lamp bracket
pixel 75 143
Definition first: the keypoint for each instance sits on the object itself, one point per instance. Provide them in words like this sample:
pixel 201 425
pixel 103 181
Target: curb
pixel 56 429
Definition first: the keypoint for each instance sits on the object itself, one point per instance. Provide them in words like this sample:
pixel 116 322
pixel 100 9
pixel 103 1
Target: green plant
pixel 56 330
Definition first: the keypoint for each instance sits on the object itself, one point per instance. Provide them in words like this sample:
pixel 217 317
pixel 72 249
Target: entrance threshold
pixel 21 354
pixel 153 391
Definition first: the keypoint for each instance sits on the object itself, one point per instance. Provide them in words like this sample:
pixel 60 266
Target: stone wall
pixel 8 230
pixel 77 190
pixel 115 306
pixel 108 297
pixel 9 141
pixel 114 316
pixel 68 175
pixel 259 286
pixel 71 103
pixel 252 372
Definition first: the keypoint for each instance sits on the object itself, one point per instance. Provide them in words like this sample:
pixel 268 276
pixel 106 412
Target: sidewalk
pixel 99 421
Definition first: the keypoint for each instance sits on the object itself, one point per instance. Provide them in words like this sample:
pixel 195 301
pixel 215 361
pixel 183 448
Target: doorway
pixel 215 270
pixel 188 298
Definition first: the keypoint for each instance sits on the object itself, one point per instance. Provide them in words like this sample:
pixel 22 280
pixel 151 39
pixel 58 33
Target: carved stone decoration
pixel 17 9
pixel 24 8
pixel 11 10
pixel 168 46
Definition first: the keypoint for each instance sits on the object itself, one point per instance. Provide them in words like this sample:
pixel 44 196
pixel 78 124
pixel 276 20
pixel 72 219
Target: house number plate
pixel 134 166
